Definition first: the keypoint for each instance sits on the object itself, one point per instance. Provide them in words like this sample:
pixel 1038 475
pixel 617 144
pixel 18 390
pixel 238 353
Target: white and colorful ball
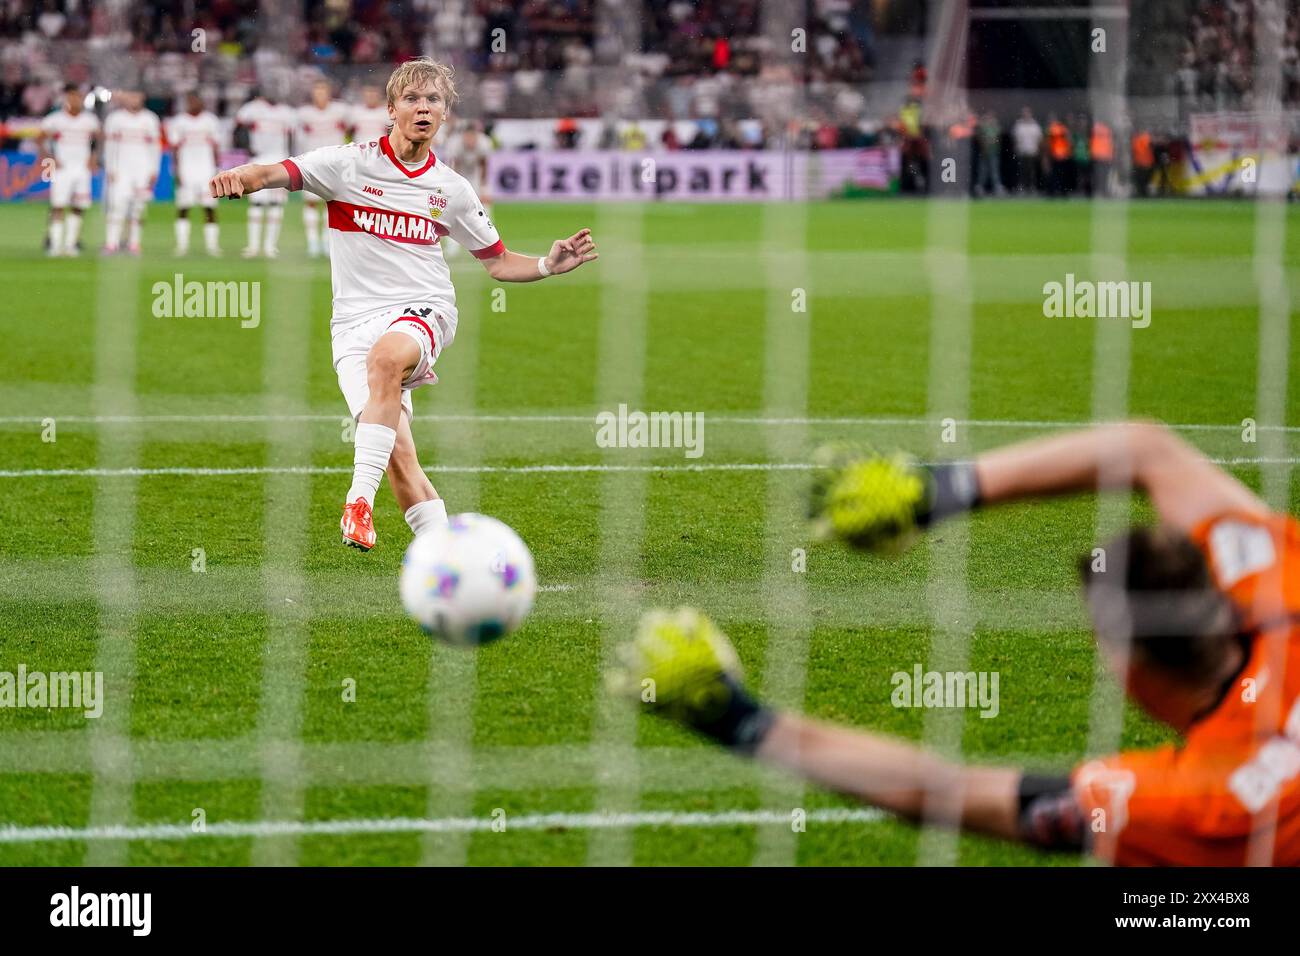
pixel 469 582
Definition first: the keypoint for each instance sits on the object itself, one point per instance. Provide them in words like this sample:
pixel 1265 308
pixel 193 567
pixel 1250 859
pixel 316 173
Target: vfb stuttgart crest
pixel 437 203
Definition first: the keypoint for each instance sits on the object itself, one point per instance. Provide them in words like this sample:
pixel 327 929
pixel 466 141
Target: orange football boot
pixel 358 530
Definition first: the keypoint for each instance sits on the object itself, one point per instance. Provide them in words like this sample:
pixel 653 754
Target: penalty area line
pixel 204 472
pixel 543 821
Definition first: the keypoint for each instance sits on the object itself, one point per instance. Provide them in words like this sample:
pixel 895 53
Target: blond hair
pixel 417 71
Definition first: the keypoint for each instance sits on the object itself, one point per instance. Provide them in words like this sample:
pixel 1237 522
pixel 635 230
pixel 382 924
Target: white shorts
pixel 352 344
pixel 127 188
pixel 70 186
pixel 268 197
pixel 193 191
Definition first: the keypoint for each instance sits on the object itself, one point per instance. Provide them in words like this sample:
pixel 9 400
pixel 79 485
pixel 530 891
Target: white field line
pixel 202 472
pixel 529 419
pixel 543 821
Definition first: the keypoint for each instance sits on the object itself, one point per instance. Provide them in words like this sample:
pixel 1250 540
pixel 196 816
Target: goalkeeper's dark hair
pixel 1150 590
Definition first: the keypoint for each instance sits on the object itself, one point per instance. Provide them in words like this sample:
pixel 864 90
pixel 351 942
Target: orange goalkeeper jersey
pixel 1230 794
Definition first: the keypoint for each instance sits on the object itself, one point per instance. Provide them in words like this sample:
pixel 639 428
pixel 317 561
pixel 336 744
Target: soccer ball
pixel 469 582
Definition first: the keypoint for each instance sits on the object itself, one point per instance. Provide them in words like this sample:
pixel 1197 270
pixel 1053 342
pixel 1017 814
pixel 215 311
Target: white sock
pixel 311 222
pixel 182 236
pixel 56 237
pixel 210 236
pixel 73 223
pixel 255 227
pixel 374 446
pixel 426 516
pixel 274 216
pixel 113 231
pixel 133 234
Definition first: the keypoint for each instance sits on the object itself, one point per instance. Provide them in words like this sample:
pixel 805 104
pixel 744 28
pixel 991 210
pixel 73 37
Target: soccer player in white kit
pixel 73 131
pixel 369 120
pixel 195 138
pixel 270 124
pixel 322 122
pixel 394 306
pixel 132 154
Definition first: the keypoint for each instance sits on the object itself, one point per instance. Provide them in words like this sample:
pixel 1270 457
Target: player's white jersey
pixel 71 136
pixel 196 139
pixel 471 161
pixel 269 128
pixel 385 220
pixel 321 127
pixel 368 124
pixel 133 144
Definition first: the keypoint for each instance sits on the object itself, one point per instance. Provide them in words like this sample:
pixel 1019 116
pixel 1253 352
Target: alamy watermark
pixel 1085 299
pixel 970 689
pixel 637 429
pixel 74 908
pixel 179 299
pixel 41 690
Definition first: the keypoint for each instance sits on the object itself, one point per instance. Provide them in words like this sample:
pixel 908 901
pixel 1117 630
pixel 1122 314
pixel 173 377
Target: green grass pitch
pixel 226 686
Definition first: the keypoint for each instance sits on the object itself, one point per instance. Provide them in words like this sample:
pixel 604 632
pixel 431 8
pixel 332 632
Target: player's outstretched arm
pixel 895 776
pixel 565 256
pixel 682 667
pixel 249 178
pixel 1184 486
pixel 877 502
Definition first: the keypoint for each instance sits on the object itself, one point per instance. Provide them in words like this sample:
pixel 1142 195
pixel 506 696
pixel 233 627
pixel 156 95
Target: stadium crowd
pixel 527 56
pixel 1216 69
pixel 700 65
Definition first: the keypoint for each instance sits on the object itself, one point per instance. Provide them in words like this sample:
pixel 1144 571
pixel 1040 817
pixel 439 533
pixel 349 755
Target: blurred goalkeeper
pixel 1200 615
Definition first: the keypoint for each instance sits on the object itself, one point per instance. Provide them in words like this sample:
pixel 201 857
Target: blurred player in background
pixel 369 120
pixel 73 130
pixel 394 309
pixel 132 155
pixel 270 126
pixel 468 150
pixel 322 122
pixel 1199 616
pixel 195 139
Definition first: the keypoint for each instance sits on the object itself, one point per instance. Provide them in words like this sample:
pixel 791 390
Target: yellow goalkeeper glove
pixel 877 502
pixel 681 666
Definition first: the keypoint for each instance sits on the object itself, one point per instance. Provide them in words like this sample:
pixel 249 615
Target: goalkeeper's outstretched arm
pixel 896 776
pixel 876 502
pixel 1184 486
pixel 682 667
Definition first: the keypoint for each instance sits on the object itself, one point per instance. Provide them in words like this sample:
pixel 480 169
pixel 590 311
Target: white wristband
pixel 541 266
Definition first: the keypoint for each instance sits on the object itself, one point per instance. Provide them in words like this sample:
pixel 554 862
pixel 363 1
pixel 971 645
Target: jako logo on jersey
pixel 373 190
pixel 385 223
